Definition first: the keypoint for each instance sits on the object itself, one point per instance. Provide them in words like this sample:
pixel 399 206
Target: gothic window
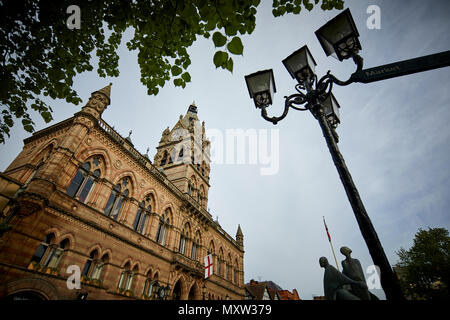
pixel 173 156
pixel 126 277
pixel 189 188
pixel 117 199
pixel 163 227
pixel 235 272
pixel 195 246
pixel 228 268
pixel 181 154
pixel 93 266
pixel 220 263
pixel 53 254
pixel 99 265
pixel 81 185
pixel 164 158
pixel 149 284
pixel 183 239
pixel 142 215
pixel 88 266
pixel 211 248
pixel 43 249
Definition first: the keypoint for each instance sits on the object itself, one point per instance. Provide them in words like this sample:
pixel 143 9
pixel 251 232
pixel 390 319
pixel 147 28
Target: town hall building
pixel 80 201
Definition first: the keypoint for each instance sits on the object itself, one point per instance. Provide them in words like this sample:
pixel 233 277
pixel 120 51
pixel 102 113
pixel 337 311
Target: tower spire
pixel 106 91
pixel 98 101
pixel 240 237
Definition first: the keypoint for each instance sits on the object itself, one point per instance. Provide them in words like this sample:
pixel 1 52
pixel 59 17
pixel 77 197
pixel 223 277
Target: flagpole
pixel 331 244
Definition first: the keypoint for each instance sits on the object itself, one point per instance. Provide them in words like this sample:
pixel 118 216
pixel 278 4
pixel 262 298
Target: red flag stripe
pixel 326 228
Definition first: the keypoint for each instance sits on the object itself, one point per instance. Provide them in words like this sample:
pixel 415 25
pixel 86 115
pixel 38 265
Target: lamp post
pixel 160 291
pixel 156 290
pixel 339 37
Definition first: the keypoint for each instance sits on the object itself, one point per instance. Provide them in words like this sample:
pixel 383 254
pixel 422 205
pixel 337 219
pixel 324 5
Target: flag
pixel 326 228
pixel 208 265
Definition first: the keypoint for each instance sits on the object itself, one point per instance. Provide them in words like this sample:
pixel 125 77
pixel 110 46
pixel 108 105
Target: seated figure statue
pixel 334 283
pixel 352 268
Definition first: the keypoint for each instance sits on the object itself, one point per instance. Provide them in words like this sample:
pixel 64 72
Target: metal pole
pixel 388 280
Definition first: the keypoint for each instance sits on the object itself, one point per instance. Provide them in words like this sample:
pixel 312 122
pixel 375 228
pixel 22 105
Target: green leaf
pixel 178 82
pixel 176 71
pixel 219 39
pixel 186 77
pixel 230 65
pixel 220 59
pixel 230 30
pixel 235 46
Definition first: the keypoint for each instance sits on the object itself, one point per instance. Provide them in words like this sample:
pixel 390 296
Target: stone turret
pixel 240 237
pixel 98 101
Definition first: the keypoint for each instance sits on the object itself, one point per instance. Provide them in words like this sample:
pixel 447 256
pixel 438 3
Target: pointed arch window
pixel 43 249
pixel 228 268
pixel 126 277
pixel 117 199
pixel 220 263
pixel 173 156
pixel 183 239
pixel 142 215
pixel 163 226
pixel 93 266
pixel 181 154
pixel 164 158
pixel 55 253
pixel 195 246
pixel 84 180
pixel 235 273
pixel 149 284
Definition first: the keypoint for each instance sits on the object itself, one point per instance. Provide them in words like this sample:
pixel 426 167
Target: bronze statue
pixel 334 283
pixel 353 270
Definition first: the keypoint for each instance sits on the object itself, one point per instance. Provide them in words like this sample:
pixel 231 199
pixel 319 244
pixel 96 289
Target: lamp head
pixel 339 36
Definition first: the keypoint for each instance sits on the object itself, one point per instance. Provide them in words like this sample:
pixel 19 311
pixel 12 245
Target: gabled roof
pixel 256 289
pixel 287 295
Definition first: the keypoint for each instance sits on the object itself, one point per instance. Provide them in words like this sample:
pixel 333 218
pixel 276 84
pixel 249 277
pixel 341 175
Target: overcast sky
pixel 394 137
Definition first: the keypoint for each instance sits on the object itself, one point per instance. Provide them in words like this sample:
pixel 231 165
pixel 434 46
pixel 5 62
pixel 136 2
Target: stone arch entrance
pixel 194 292
pixel 26 295
pixel 176 293
pixel 29 289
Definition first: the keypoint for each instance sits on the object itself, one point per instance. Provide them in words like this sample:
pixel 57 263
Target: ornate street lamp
pixel 301 65
pixel 340 37
pixel 156 289
pixel 261 87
